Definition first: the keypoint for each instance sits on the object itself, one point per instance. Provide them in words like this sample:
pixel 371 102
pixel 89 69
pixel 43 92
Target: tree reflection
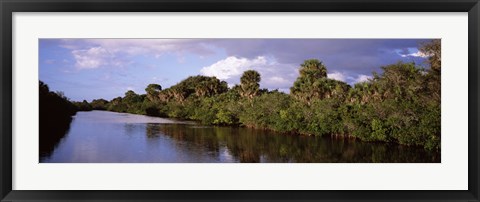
pixel 252 146
pixel 50 135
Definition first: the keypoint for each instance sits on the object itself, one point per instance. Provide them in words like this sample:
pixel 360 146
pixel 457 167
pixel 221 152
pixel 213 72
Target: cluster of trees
pixel 55 113
pixel 401 105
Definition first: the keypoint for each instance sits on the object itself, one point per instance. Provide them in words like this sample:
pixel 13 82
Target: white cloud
pixel 95 53
pixel 361 78
pixel 273 75
pixel 278 80
pixel 285 90
pixel 337 76
pixel 348 78
pixel 91 58
pixel 155 47
pixel 232 66
pixel 416 54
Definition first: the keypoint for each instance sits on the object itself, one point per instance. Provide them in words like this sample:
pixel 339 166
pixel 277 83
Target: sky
pixel 87 69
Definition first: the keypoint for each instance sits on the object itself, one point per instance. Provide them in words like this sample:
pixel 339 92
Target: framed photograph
pixel 239 101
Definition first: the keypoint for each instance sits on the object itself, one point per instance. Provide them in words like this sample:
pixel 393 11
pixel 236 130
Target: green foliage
pixel 99 104
pixel 433 50
pixel 83 106
pixel 54 104
pixel 221 109
pixel 153 91
pixel 313 84
pixel 117 105
pixel 249 84
pixel 199 86
pixel 264 111
pixel 313 69
pixel 378 130
pixel 225 117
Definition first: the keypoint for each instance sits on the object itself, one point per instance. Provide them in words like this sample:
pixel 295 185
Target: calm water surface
pixel 109 137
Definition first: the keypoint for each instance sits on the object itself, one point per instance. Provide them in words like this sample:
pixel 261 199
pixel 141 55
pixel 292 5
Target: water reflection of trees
pixel 250 145
pixel 51 134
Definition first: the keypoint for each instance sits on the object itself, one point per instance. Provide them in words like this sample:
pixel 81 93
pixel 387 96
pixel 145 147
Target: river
pixel 110 137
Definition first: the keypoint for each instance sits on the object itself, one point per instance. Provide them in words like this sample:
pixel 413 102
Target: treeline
pixel 55 114
pixel 401 105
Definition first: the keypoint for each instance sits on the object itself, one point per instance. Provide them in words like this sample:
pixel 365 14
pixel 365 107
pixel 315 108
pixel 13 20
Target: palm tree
pixel 249 84
pixel 153 91
pixel 314 84
pixel 165 95
pixel 433 50
pixel 179 93
pixel 313 69
pixel 202 89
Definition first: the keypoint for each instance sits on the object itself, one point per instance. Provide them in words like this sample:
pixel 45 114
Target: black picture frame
pixel 7 7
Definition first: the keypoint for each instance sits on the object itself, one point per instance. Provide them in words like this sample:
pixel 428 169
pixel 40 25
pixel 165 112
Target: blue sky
pixel 106 68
